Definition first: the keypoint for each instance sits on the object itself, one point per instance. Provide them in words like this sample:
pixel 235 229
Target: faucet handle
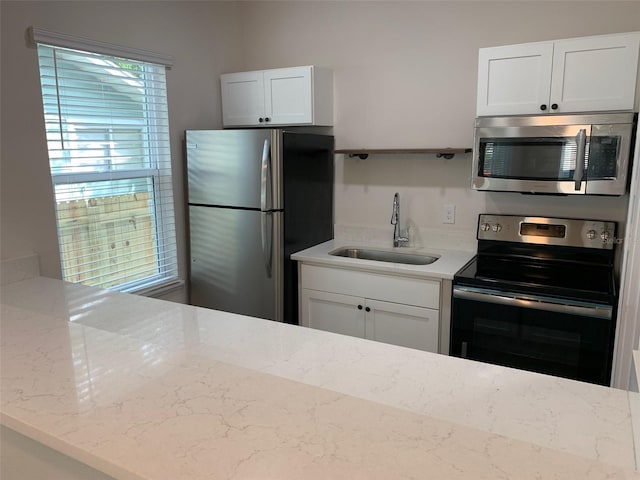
pixel 404 237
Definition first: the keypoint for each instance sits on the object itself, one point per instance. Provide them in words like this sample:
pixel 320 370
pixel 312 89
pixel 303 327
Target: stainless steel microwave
pixel 554 154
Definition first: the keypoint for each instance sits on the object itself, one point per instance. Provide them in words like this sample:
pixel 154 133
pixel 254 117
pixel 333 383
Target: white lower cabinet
pixel 333 312
pixel 386 308
pixel 404 325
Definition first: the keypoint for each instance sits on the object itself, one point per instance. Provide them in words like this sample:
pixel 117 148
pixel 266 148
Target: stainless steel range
pixel 539 295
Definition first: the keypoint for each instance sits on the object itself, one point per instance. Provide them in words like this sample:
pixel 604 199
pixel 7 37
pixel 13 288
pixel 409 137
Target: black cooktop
pixel 549 277
pixel 556 257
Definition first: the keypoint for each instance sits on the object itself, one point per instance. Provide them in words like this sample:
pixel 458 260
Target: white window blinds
pixel 107 132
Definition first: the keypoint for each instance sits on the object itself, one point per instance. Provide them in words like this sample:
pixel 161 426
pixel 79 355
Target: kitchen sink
pixel 384 255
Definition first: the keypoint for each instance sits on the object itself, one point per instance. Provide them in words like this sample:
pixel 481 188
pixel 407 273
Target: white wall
pixel 202 38
pixel 405 76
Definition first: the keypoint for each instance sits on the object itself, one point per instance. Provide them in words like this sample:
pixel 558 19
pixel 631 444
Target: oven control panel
pixel 569 232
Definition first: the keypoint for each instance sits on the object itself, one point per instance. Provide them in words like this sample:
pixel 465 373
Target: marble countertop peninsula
pixel 146 389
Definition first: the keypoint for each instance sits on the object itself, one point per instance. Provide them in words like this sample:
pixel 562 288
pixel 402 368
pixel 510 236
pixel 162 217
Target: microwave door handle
pixel 581 142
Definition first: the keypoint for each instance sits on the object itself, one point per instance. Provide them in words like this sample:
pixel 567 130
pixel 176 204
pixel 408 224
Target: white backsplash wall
pixel 365 188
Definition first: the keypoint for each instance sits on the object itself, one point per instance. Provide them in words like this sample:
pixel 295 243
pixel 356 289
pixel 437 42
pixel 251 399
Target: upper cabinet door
pixel 288 96
pixel 586 74
pixel 595 73
pixel 278 97
pixel 242 98
pixel 514 79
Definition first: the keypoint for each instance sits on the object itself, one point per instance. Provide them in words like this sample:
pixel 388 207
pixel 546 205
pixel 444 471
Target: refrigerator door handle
pixel 265 177
pixel 266 227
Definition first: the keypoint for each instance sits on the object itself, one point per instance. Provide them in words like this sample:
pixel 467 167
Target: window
pixel 107 130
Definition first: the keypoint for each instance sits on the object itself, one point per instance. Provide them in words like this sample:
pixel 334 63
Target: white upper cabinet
pixel 575 75
pixel 288 96
pixel 595 73
pixel 514 79
pixel 278 97
pixel 242 98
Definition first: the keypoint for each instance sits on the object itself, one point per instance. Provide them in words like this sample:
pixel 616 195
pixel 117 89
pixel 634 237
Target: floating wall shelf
pixel 363 153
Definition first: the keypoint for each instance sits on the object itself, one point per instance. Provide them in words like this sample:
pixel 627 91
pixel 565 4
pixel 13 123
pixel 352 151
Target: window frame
pixel 158 172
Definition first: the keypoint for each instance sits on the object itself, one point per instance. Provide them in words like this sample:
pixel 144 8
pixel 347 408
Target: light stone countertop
pixel 448 263
pixel 146 389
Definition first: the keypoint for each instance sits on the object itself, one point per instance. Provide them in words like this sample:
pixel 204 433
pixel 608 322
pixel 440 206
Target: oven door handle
pixel 532 301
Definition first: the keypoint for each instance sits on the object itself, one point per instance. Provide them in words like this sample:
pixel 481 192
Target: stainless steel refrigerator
pixel 255 197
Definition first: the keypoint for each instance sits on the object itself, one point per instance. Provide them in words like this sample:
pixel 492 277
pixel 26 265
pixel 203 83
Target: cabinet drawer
pixel 391 288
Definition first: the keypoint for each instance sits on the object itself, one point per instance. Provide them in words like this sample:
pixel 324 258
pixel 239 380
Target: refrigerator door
pixel 232 168
pixel 236 260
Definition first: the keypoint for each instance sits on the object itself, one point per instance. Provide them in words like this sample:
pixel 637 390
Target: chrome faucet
pixel 398 240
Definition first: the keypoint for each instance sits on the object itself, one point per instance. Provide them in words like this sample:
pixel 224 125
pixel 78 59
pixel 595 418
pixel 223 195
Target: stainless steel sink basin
pixel 384 255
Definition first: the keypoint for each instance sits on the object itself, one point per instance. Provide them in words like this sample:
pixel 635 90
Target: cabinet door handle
pixel 543 107
pixel 554 106
pixel 267 119
pixel 367 309
pixel 261 119
pixel 359 307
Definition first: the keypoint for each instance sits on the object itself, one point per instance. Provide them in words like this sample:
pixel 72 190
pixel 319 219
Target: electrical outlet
pixel 448 214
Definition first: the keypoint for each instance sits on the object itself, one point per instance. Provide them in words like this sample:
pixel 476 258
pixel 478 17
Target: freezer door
pixel 231 167
pixel 236 261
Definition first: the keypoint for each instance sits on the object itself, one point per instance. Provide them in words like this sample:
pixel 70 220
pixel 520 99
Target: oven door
pixel 541 334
